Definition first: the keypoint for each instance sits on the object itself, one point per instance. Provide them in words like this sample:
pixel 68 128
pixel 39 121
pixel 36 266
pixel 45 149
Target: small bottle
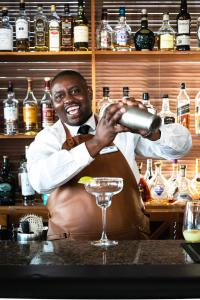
pixel 166 35
pixel 125 93
pixel 144 38
pixel 122 35
pixel 184 189
pixel 149 106
pixel 149 171
pixel 11 112
pixel 197 113
pixel 54 30
pixel 7 184
pixel 22 29
pixel 105 99
pixel 104 32
pixel 158 184
pixel 30 111
pixel 46 106
pixel 143 187
pixel 28 193
pixel 183 20
pixel 67 29
pixel 195 182
pixel 183 107
pixel 81 29
pixel 6 32
pixel 173 180
pixel 166 115
pixel 40 30
pixel 20 170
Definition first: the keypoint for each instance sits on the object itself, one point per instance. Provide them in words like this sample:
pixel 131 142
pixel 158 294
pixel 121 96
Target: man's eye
pixel 58 98
pixel 75 91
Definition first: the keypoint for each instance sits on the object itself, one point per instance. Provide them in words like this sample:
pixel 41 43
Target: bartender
pixel 66 151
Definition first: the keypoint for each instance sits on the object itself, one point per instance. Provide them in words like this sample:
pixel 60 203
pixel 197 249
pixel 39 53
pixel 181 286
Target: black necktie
pixel 84 129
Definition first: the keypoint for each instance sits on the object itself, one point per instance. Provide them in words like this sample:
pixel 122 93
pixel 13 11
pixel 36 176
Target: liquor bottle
pixel 6 32
pixel 46 106
pixel 28 193
pixel 40 30
pixel 22 29
pixel 183 107
pixel 104 33
pixel 105 99
pixel 166 35
pixel 183 28
pixel 81 35
pixel 195 182
pixel 7 184
pixel 30 111
pixel 166 115
pixel 125 93
pixel 122 35
pixel 197 113
pixel 198 32
pixel 20 170
pixel 146 102
pixel 143 187
pixel 144 38
pixel 67 29
pixel 149 171
pixel 11 111
pixel 173 180
pixel 158 184
pixel 54 30
pixel 184 190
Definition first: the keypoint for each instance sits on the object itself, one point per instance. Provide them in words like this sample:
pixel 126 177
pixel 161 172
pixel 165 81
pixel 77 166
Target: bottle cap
pixel 183 85
pixel 144 11
pixel 166 17
pixel 165 96
pixel 122 11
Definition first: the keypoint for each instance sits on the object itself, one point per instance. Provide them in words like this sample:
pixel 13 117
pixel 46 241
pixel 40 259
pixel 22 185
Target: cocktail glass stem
pixel 104 236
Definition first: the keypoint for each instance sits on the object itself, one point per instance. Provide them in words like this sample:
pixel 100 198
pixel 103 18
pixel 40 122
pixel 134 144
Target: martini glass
pixel 104 188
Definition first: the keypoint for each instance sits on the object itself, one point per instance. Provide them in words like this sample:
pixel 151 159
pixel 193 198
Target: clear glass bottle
pixel 144 38
pixel 146 102
pixel 104 32
pixel 22 29
pixel 105 99
pixel 173 180
pixel 183 20
pixel 81 29
pixel 6 32
pixel 197 113
pixel 143 186
pixel 122 35
pixel 158 184
pixel 183 107
pixel 54 30
pixel 166 35
pixel 149 170
pixel 7 183
pixel 166 114
pixel 195 182
pixel 46 106
pixel 125 93
pixel 67 29
pixel 40 30
pixel 30 111
pixel 198 32
pixel 11 112
pixel 184 189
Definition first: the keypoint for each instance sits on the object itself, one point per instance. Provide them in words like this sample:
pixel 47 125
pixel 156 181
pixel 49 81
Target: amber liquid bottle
pixel 183 28
pixel 67 23
pixel 22 29
pixel 81 29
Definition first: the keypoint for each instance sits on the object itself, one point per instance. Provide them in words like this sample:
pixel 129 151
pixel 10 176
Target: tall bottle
pixel 146 102
pixel 11 111
pixel 197 113
pixel 184 189
pixel 144 38
pixel 46 106
pixel 195 182
pixel 122 35
pixel 6 32
pixel 22 29
pixel 149 171
pixel 67 29
pixel 198 32
pixel 158 184
pixel 173 180
pixel 28 193
pixel 183 107
pixel 125 93
pixel 81 30
pixel 7 184
pixel 30 111
pixel 104 32
pixel 166 35
pixel 166 114
pixel 105 100
pixel 40 30
pixel 54 30
pixel 183 20
pixel 143 187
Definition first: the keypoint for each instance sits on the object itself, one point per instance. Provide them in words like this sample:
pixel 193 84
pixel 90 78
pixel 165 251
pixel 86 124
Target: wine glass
pixel 103 188
pixel 191 222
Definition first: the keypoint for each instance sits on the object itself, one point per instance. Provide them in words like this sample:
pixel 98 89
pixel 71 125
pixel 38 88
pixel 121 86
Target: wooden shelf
pixel 16 136
pixel 45 53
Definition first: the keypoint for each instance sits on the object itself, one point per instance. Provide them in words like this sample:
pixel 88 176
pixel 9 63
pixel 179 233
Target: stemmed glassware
pixel 103 188
pixel 191 222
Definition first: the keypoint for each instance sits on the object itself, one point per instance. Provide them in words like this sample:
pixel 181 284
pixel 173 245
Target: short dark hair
pixel 68 73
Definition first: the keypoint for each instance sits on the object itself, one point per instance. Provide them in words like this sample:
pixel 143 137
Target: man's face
pixel 72 100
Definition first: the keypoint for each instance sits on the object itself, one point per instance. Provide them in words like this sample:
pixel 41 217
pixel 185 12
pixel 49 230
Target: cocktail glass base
pixel 105 244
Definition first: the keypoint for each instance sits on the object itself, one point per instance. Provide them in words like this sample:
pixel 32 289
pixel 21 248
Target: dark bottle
pixel 7 184
pixel 81 35
pixel 67 23
pixel 125 93
pixel 144 38
pixel 183 20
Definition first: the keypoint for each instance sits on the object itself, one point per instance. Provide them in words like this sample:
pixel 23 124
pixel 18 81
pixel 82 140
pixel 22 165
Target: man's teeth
pixel 73 110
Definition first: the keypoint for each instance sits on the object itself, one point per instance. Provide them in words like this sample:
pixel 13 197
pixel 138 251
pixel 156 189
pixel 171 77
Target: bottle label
pixel 182 110
pixel 10 114
pixel 40 33
pixel 183 26
pixel 197 120
pixel 27 189
pixel 158 190
pixel 21 29
pixel 66 34
pixel 105 41
pixel 5 188
pixel 30 114
pixel 47 117
pixel 81 34
pixel 121 38
pixel 6 39
pixel 166 41
pixel 183 40
pixel 183 115
pixel 54 40
pixel 169 120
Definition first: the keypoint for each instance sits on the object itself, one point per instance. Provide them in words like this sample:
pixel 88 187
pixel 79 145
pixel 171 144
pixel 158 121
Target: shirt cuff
pixel 81 155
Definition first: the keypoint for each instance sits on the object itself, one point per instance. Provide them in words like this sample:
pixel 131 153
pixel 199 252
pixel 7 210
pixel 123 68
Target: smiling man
pixel 63 153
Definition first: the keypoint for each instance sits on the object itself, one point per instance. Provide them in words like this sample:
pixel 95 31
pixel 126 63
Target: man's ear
pixel 89 92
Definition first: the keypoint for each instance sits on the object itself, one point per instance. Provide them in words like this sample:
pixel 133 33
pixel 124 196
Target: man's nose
pixel 68 98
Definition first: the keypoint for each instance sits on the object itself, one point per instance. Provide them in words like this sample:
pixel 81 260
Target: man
pixel 60 156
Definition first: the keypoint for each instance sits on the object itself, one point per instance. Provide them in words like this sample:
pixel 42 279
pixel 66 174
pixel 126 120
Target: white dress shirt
pixel 49 166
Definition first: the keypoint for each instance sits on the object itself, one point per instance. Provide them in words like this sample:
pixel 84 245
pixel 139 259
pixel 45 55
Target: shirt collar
pixel 91 122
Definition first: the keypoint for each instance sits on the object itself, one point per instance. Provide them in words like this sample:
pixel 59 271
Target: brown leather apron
pixel 73 212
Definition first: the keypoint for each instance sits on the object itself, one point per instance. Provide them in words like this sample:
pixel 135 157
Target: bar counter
pixel 71 269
